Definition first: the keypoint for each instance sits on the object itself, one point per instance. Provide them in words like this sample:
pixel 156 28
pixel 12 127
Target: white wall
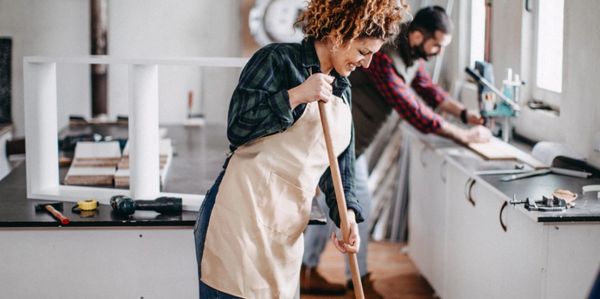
pixel 49 28
pixel 580 107
pixel 185 28
pixel 137 28
pixel 512 46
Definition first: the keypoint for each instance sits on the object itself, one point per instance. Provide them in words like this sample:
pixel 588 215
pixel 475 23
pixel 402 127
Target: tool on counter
pixel 124 205
pixel 85 208
pixel 556 170
pixel 519 168
pixel 55 209
pixel 490 109
pixel 545 205
pixel 560 201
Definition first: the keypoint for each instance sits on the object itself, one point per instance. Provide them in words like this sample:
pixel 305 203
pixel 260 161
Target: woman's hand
pixel 316 87
pixel 353 244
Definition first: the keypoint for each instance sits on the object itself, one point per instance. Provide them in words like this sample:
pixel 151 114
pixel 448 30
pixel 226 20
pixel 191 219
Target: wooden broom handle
pixel 341 201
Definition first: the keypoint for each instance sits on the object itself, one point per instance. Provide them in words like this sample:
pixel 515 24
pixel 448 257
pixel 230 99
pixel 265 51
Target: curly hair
pixel 352 19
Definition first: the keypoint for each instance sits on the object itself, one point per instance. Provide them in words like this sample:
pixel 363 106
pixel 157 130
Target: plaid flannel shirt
pixel 260 106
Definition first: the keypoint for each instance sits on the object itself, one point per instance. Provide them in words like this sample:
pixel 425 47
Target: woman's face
pixel 357 53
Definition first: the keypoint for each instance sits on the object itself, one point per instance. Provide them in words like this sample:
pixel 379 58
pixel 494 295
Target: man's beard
pixel 419 52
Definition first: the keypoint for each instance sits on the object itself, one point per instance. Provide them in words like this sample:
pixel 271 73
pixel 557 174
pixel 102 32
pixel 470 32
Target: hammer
pixel 55 209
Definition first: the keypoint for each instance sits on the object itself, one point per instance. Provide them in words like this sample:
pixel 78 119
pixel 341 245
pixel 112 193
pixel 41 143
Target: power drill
pixel 124 205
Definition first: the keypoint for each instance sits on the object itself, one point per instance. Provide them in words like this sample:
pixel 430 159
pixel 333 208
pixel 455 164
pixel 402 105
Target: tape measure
pixel 88 204
pixel 85 206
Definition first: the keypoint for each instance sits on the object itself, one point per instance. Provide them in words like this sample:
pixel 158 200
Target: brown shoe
pixel 311 282
pixel 368 287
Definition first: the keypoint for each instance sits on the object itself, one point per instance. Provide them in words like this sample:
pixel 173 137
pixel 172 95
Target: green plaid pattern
pixel 260 107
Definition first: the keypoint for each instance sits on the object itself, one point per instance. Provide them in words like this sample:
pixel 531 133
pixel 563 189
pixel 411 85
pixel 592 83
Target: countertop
pixel 587 206
pixel 199 153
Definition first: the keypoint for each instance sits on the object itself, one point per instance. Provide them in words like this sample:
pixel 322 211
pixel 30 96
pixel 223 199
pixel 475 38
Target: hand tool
pixel 54 208
pixel 124 205
pixel 547 204
pixel 341 200
pixel 489 85
pixel 563 171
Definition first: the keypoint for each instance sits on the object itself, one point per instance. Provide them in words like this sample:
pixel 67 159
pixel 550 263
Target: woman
pixel 249 230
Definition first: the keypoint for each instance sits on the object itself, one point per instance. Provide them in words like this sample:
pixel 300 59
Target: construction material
pixel 54 208
pixel 497 149
pixel 591 188
pixel 341 201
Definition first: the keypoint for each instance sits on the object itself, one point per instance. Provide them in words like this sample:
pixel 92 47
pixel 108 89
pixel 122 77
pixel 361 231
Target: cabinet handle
pixel 500 216
pixel 443 171
pixel 422 154
pixel 468 188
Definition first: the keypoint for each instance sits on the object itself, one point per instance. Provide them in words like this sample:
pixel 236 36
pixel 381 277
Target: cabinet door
pixel 482 259
pixel 573 259
pixel 4 164
pixel 427 212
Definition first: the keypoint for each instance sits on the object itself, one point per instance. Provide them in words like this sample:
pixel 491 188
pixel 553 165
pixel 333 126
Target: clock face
pixel 273 21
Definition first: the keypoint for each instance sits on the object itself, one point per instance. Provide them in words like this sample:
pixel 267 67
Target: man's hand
pixel 478 134
pixel 353 244
pixel 474 118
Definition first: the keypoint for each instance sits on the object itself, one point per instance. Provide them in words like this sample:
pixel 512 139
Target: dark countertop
pixel 199 153
pixel 587 207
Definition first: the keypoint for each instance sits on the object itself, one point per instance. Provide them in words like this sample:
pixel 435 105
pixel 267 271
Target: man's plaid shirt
pixel 398 94
pixel 260 106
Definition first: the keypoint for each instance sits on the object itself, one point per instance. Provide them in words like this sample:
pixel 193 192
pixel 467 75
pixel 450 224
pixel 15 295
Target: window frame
pixel 547 96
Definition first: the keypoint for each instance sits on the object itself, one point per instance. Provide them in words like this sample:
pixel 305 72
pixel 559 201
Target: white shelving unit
pixel 40 82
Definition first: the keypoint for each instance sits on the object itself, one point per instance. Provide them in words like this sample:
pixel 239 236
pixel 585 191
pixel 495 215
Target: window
pixel 549 51
pixel 478 31
pixel 477 49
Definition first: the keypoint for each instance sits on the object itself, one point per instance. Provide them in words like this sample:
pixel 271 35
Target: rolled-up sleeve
pixel 430 92
pixel 257 107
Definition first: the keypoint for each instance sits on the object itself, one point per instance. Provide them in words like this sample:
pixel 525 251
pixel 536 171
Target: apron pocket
pixel 283 207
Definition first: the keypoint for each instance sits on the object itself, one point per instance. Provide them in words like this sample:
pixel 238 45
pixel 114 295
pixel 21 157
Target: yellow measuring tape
pixel 88 204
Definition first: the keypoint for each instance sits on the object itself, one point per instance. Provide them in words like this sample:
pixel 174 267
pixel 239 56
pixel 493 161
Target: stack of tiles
pixel 165 156
pixel 94 163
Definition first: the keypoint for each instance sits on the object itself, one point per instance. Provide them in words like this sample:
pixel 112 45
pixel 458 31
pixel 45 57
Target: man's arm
pixel 436 96
pixel 396 93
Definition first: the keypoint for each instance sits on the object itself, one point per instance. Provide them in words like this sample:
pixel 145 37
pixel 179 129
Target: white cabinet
pixel 573 260
pixel 4 164
pixel 469 243
pixel 483 260
pixel 427 209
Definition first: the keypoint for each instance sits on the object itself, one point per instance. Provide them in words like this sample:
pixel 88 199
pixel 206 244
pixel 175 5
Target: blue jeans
pixel 317 236
pixel 200 230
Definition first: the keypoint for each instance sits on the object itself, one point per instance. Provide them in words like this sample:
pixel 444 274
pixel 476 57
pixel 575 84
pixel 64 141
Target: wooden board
pixel 497 149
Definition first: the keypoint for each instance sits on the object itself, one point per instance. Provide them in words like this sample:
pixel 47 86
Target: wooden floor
pixel 394 273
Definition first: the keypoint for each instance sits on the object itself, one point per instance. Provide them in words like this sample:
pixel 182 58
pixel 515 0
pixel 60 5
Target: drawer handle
pixel 443 171
pixel 468 188
pixel 422 154
pixel 502 211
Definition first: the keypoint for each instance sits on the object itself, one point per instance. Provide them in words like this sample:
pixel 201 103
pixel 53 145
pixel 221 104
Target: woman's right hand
pixel 316 87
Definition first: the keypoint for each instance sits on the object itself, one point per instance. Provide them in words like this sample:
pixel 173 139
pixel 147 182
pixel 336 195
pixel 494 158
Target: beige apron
pixel 254 243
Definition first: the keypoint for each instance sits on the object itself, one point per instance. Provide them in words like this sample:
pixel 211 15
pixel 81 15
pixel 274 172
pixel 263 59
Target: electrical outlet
pixel 596 142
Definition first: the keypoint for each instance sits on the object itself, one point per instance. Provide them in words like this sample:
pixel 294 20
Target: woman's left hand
pixel 353 244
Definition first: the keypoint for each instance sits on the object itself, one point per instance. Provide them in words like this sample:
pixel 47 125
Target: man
pixel 376 91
